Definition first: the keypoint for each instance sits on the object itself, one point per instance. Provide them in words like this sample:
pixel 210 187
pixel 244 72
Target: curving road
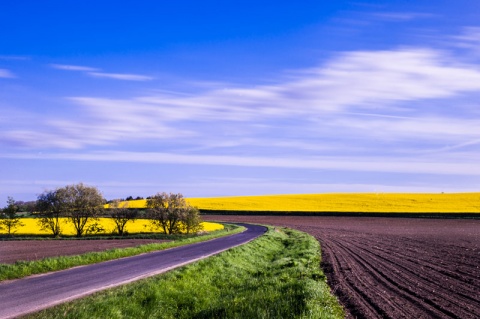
pixel 27 295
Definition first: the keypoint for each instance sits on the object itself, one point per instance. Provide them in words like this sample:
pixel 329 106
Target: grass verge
pixel 275 276
pixel 26 268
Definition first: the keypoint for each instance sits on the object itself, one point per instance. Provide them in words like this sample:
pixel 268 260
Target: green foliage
pixel 9 219
pixel 78 202
pixel 170 211
pixel 82 203
pixel 275 276
pixel 192 221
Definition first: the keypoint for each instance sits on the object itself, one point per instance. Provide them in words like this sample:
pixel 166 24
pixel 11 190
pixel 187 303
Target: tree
pixel 28 207
pixel 170 212
pixel 78 202
pixel 82 203
pixel 121 215
pixel 9 218
pixel 50 206
pixel 192 221
pixel 157 210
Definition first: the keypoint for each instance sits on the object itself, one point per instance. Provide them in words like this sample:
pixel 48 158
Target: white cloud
pixel 353 101
pixel 68 67
pixel 470 34
pixel 4 73
pixel 435 129
pixel 121 76
pixel 360 164
pixel 356 80
pixel 258 186
pixel 95 72
pixel 402 16
pixel 469 39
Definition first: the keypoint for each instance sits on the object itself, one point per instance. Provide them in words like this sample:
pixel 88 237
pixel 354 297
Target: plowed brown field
pixel 16 250
pixel 395 267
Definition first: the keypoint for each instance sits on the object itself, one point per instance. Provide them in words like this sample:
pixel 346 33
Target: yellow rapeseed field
pixel 139 226
pixel 344 202
pixel 136 203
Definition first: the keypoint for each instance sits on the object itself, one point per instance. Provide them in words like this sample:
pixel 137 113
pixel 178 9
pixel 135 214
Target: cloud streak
pixel 402 16
pixel 355 104
pixel 69 67
pixel 121 76
pixel 95 72
pixel 4 73
pixel 361 164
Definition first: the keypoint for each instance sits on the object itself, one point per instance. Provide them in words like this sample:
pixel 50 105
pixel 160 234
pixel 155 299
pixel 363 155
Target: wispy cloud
pixel 470 35
pixel 469 39
pixel 121 76
pixel 402 16
pixel 4 73
pixel 352 102
pixel 362 164
pixel 69 67
pixel 95 72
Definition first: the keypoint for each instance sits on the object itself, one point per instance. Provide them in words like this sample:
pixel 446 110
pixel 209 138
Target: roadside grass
pixel 275 276
pixel 22 269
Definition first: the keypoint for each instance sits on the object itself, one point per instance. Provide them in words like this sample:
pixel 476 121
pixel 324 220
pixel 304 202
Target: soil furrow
pixel 386 284
pixel 398 278
pixel 395 267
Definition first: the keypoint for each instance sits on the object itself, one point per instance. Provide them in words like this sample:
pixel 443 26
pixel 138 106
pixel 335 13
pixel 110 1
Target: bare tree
pixel 82 203
pixel 9 219
pixel 50 206
pixel 170 212
pixel 78 202
pixel 121 215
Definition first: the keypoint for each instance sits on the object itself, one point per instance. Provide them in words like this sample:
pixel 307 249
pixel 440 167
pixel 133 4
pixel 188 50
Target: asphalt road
pixel 27 295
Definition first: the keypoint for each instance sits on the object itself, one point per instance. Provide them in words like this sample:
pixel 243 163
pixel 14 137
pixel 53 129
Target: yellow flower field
pixel 355 202
pixel 139 226
pixel 136 203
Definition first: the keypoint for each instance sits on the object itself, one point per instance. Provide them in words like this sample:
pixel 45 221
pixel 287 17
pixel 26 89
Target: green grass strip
pixel 26 268
pixel 275 276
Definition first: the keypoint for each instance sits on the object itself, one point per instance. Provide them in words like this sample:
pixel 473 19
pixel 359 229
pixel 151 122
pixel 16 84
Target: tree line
pixel 81 204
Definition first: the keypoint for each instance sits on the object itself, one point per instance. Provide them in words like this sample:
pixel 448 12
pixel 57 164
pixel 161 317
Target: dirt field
pixel 395 267
pixel 11 251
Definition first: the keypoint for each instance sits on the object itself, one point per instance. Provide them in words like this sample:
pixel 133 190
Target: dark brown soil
pixel 12 251
pixel 395 267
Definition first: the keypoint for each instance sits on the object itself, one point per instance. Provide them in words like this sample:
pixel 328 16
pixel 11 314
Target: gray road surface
pixel 27 295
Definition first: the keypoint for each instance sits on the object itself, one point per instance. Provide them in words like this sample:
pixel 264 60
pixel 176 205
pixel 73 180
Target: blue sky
pixel 216 98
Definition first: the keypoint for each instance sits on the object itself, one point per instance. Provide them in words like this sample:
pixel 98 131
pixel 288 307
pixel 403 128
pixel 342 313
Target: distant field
pixel 343 202
pixel 355 202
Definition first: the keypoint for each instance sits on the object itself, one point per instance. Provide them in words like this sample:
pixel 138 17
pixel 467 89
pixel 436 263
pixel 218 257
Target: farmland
pixel 104 226
pixel 377 267
pixel 394 267
pixel 356 202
